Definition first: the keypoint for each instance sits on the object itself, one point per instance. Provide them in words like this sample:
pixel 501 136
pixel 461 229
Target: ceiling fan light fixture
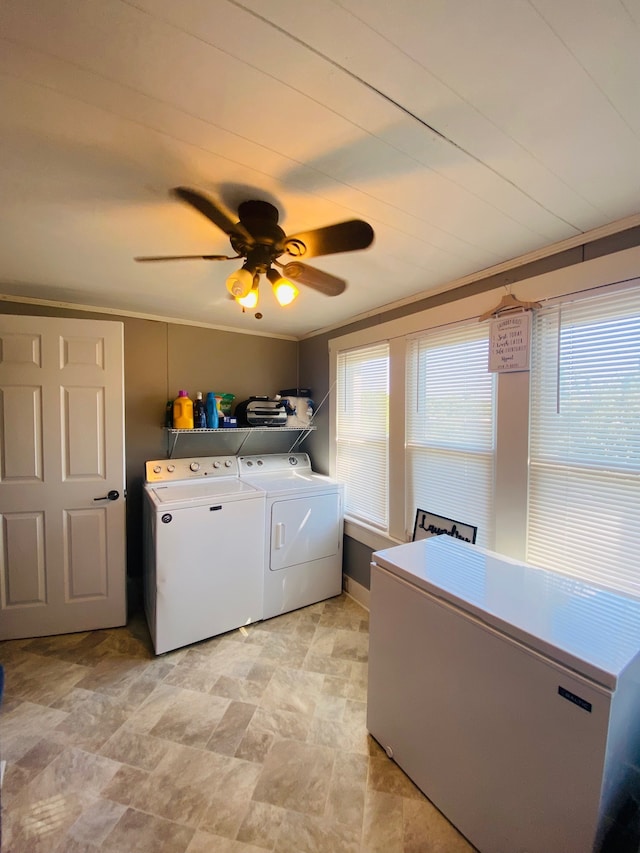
pixel 248 301
pixel 284 290
pixel 240 282
pixel 251 299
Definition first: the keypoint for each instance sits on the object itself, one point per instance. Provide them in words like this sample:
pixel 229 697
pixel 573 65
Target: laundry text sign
pixel 509 343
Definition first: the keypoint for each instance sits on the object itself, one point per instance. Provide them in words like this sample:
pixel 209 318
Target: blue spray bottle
pixel 212 411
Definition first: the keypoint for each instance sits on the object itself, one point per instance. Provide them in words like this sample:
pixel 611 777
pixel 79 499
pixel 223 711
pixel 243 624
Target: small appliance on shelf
pixel 261 412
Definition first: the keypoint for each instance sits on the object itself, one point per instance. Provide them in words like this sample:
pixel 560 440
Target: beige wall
pixel 314 374
pixel 160 358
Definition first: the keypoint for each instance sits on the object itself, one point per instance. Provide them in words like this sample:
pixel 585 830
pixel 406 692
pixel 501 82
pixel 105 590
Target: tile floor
pixel 251 741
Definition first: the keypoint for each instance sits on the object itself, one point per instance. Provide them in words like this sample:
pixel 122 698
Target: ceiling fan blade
pixel 318 280
pixel 343 237
pixel 187 258
pixel 213 213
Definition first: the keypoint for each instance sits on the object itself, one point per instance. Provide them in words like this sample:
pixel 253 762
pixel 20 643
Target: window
pixel 584 479
pixel 362 422
pixel 450 427
pixel 546 462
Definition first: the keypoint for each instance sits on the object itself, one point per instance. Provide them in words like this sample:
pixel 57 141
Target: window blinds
pixel 362 420
pixel 584 479
pixel 450 427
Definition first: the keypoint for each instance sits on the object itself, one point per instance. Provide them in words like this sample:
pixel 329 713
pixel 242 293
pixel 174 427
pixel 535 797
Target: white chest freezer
pixel 510 695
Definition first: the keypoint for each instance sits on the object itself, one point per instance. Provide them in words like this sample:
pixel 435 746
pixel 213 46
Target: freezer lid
pixel 201 490
pixel 590 629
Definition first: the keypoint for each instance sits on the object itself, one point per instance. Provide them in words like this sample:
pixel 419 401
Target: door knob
pixel 110 496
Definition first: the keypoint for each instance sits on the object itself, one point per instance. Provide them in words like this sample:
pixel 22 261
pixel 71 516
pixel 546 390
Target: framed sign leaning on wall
pixel 427 524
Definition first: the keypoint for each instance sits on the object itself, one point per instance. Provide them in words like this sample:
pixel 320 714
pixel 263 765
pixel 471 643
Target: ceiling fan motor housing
pixel 260 220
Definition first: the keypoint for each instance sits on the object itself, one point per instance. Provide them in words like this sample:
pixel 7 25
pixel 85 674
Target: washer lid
pixel 202 490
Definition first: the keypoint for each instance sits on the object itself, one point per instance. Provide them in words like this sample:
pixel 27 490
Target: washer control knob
pixel 216 464
pixel 157 469
pixel 171 468
pixel 260 462
pixel 195 466
pixel 227 463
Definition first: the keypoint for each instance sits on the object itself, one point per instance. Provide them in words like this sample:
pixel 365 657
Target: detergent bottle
pixel 199 413
pixel 211 406
pixel 183 411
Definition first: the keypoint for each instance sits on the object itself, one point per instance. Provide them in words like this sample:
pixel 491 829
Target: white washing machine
pixel 204 550
pixel 303 530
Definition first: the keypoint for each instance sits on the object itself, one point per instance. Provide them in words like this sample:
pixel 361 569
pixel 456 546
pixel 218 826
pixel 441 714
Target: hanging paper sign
pixel 509 343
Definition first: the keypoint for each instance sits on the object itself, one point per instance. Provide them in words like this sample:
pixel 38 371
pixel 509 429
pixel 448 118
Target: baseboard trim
pixel 356 591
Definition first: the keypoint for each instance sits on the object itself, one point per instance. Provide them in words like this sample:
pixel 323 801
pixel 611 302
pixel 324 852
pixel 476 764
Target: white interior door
pixel 62 540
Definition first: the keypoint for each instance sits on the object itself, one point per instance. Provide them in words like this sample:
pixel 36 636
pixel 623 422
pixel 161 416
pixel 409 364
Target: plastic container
pixel 183 411
pixel 199 413
pixel 299 407
pixel 211 408
pixel 225 401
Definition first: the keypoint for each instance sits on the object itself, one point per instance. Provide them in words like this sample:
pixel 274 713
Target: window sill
pixel 369 536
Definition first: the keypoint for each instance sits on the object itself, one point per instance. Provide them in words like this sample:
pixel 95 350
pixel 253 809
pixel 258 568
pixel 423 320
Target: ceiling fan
pixel 259 239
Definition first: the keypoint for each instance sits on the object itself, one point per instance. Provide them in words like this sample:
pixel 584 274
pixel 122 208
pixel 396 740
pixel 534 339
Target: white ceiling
pixel 467 133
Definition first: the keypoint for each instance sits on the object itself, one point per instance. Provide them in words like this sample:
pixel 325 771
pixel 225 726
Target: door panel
pixel 62 563
pixel 20 349
pixel 85 553
pixel 88 352
pixel 83 430
pixel 304 529
pixel 22 448
pixel 22 559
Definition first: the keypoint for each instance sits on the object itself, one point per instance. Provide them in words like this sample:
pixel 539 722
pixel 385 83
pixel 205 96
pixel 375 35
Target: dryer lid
pixel 293 482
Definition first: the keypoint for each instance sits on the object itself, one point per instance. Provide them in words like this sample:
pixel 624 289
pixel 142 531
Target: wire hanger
pixel 509 302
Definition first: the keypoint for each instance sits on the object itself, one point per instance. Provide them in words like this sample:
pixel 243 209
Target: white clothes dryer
pixel 303 530
pixel 204 550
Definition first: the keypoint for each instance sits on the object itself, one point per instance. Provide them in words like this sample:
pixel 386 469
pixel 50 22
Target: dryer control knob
pixel 156 469
pixel 227 463
pixel 171 468
pixel 195 466
pixel 216 464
